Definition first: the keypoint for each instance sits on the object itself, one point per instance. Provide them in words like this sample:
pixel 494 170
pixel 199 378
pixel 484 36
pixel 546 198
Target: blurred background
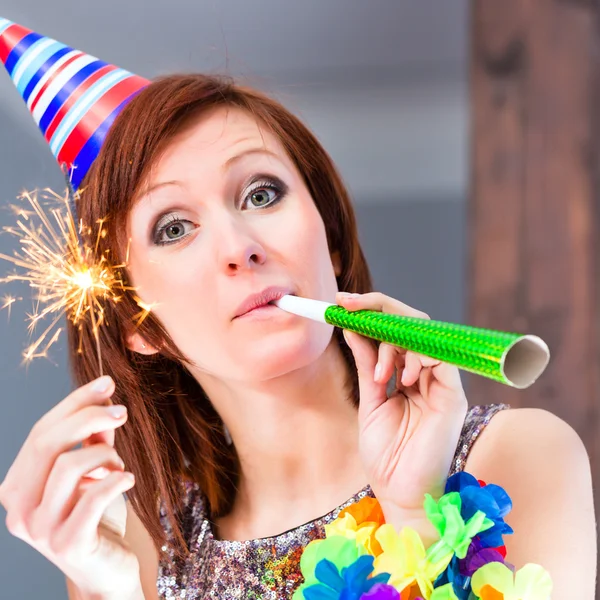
pixel 465 131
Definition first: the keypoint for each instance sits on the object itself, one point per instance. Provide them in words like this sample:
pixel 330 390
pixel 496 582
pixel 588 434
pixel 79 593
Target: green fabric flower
pixel 455 533
pixel 338 550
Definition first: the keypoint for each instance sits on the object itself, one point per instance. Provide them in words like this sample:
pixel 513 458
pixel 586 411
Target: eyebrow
pixel 157 186
pixel 261 150
pixel 228 164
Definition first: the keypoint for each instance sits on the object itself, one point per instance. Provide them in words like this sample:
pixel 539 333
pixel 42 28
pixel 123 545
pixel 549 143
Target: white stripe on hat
pixel 50 73
pixel 83 104
pixel 59 83
pixel 4 25
pixel 28 57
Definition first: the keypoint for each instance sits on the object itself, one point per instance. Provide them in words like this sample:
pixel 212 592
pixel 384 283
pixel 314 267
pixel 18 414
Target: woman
pixel 246 427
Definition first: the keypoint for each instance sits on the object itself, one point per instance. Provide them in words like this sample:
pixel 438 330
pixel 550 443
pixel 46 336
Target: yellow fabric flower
pixel 495 581
pixel 405 559
pixel 363 533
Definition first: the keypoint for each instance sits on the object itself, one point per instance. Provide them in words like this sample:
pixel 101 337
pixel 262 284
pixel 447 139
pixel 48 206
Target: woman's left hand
pixel 407 439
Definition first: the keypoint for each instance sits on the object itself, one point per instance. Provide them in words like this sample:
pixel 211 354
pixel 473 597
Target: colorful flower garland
pixel 363 558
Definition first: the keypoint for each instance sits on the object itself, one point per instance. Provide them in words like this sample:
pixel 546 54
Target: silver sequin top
pixel 266 568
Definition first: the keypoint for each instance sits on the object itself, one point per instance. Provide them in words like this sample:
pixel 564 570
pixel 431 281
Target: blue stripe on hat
pixel 82 105
pixel 65 92
pixel 87 155
pixel 13 58
pixel 32 55
pixel 35 71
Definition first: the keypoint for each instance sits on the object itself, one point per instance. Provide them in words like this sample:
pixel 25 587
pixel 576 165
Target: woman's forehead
pixel 221 134
pixel 215 144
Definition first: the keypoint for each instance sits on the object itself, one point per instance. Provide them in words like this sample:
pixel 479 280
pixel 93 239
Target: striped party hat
pixel 73 97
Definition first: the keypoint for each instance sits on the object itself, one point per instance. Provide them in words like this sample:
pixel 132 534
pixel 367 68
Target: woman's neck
pixel 297 443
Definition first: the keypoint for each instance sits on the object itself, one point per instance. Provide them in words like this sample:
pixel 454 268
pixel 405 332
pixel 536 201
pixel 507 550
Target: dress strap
pixel 475 422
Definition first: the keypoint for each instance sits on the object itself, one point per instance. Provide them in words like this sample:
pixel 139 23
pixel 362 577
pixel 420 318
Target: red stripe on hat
pixel 96 115
pixel 51 79
pixel 64 109
pixel 10 38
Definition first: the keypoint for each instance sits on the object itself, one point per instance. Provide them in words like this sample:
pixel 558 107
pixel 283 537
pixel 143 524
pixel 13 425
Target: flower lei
pixel 363 558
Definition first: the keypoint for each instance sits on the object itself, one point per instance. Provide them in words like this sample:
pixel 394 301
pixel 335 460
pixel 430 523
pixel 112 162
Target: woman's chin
pixel 270 358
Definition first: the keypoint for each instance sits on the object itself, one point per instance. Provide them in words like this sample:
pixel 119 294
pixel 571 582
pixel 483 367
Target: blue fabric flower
pixel 459 481
pixel 461 584
pixel 348 584
pixel 490 499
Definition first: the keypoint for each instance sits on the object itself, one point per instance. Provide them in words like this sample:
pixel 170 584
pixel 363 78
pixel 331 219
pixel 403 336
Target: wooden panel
pixel 533 210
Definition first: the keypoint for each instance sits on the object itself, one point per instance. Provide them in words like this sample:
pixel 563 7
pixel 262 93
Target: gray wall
pixel 384 89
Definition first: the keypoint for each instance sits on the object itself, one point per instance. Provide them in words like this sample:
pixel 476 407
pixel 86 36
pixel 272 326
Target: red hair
pixel 173 432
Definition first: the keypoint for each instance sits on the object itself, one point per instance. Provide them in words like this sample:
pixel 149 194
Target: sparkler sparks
pixel 68 276
pixel 8 301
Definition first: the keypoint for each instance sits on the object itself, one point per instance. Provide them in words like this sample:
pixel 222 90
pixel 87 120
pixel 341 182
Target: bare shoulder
pixel 542 463
pixel 527 436
pixel 141 544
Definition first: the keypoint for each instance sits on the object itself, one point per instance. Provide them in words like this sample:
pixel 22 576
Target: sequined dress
pixel 266 568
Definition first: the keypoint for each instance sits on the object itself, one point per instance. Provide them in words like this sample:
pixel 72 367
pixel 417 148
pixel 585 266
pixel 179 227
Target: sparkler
pixel 54 255
pixel 8 301
pixel 68 276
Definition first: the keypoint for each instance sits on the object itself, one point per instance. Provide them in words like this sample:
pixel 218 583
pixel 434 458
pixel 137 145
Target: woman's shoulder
pixel 523 441
pixel 525 431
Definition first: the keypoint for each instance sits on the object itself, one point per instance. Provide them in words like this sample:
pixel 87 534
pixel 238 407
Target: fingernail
pixel 377 373
pixel 121 463
pixel 116 411
pixel 403 378
pixel 102 384
pixel 348 295
pixel 129 476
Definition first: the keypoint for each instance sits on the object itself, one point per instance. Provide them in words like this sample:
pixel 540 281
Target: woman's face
pixel 224 215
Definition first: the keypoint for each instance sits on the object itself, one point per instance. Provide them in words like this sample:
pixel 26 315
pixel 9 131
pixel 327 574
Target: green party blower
pixel 510 358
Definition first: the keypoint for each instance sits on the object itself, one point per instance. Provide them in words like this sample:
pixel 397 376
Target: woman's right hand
pixel 75 521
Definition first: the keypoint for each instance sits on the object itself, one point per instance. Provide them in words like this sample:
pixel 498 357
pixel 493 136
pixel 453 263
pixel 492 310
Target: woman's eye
pixel 173 231
pixel 264 193
pixel 262 197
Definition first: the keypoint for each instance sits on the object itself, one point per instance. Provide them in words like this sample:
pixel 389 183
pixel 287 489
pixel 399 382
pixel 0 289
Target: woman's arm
pixel 543 465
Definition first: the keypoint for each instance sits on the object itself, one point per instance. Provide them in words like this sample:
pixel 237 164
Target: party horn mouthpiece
pixel 510 358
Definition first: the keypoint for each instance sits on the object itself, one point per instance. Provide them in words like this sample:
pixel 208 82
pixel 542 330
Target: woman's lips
pixel 260 299
pixel 262 313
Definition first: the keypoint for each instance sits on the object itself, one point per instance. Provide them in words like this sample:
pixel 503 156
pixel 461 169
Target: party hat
pixel 73 97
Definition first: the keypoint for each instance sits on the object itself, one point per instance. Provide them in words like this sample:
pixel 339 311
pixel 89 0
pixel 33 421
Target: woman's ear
pixel 136 343
pixel 336 261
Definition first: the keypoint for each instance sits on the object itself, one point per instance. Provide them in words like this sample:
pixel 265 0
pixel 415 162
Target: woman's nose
pixel 239 248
